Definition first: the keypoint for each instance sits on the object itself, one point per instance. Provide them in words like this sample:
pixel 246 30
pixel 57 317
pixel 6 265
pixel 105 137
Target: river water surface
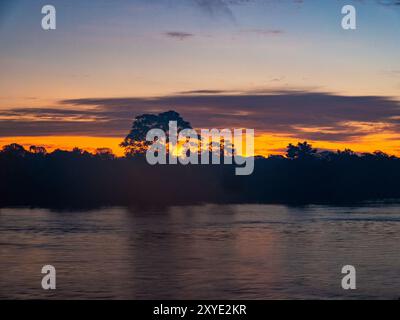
pixel 202 252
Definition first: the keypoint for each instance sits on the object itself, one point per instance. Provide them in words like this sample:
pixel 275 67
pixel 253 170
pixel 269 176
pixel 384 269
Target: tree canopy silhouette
pixel 303 150
pixel 135 142
pixel 15 150
pixel 79 179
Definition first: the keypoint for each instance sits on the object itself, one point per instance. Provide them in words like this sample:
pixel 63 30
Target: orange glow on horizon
pixel 265 144
pixel 52 143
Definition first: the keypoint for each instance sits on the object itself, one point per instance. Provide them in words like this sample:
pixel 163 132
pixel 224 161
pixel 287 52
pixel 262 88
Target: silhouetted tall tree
pixel 135 142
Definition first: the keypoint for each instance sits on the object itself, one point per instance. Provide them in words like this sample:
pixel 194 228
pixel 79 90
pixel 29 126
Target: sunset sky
pixel 285 68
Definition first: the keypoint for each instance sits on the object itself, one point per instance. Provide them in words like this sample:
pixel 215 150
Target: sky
pixel 284 68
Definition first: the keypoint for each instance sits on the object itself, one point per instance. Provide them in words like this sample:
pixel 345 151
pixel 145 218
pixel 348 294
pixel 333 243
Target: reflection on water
pixel 202 252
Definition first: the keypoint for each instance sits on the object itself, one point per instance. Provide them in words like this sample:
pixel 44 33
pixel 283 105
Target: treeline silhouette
pixel 64 179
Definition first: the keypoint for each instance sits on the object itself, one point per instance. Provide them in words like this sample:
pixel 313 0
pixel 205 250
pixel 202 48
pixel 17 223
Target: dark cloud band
pixel 305 115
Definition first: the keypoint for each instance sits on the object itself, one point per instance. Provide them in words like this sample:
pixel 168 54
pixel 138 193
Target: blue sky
pixel 148 49
pixel 301 44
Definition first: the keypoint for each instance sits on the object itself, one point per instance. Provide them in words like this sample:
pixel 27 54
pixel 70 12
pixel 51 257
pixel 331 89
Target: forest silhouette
pixel 79 179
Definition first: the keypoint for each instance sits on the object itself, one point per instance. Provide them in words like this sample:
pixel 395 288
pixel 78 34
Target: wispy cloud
pixel 389 2
pixel 217 8
pixel 204 91
pixel 264 32
pixel 179 35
